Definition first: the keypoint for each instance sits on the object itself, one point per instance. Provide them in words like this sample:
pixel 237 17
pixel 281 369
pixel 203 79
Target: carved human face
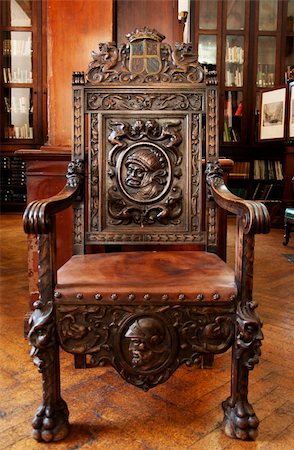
pixel 141 355
pixel 250 338
pixel 146 346
pixel 146 173
pixel 135 175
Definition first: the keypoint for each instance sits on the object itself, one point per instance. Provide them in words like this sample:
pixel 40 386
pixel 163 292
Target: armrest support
pixel 37 217
pixel 254 215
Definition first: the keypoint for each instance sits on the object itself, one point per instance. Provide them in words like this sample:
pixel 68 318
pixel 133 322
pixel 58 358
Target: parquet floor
pixel 185 412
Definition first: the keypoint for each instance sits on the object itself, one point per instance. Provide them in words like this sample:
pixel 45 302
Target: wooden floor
pixel 185 412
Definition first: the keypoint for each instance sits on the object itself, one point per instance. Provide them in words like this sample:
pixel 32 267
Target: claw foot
pixel 240 420
pixel 51 423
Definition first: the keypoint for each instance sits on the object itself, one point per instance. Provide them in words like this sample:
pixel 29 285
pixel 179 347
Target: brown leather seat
pixel 186 276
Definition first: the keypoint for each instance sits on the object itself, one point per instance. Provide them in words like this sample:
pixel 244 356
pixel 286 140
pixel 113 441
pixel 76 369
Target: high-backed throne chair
pixel 157 295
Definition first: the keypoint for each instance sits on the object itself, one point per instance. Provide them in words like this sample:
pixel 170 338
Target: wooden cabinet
pixel 251 46
pixel 23 95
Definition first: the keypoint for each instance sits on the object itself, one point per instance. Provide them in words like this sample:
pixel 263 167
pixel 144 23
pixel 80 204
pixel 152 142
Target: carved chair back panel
pixel 143 107
pixel 144 166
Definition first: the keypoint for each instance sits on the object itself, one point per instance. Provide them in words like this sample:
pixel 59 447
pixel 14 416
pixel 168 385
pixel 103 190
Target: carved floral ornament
pixel 145 59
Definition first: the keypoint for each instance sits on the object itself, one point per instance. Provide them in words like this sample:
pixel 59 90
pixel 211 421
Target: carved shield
pixel 145 56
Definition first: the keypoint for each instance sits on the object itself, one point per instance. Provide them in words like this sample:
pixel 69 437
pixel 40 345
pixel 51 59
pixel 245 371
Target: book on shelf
pixel 267 170
pixel 240 170
pixel 268 191
pixel 230 134
pixel 234 77
pixel 235 54
pixel 19 132
pixel 17 76
pixel 17 47
pixel 239 110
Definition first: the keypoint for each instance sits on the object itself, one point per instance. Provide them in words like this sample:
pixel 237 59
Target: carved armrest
pixel 37 218
pixel 254 215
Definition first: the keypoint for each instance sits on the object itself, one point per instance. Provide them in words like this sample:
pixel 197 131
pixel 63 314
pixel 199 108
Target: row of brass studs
pixel 131 297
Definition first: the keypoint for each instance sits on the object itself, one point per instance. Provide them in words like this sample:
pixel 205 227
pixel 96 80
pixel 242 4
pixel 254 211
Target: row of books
pixel 17 76
pixel 17 47
pixel 15 182
pixel 22 132
pixel 267 170
pixel 267 191
pixel 234 77
pixel 235 55
pixel 6 162
pixel 12 196
pixel 241 170
pixel 18 105
pixel 262 192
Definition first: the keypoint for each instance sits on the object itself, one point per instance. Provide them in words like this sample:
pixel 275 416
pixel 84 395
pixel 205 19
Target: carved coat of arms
pixel 145 52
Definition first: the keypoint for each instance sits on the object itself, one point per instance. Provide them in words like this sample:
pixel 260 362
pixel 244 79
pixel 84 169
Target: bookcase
pixel 22 94
pixel 250 43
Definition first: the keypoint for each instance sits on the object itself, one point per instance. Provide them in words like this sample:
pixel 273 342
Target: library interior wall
pixel 74 29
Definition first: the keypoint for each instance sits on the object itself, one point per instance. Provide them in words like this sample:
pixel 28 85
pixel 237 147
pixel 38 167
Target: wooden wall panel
pixel 159 14
pixel 74 30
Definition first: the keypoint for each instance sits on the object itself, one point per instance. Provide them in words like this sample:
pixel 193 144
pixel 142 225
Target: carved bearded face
pixel 146 343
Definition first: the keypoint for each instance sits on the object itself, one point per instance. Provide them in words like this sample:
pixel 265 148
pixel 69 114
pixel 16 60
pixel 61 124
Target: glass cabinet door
pixel 234 58
pixel 17 87
pixel 208 20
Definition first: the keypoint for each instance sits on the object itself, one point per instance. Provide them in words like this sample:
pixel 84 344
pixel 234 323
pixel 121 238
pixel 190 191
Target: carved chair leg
pixel 50 422
pixel 287 228
pixel 240 420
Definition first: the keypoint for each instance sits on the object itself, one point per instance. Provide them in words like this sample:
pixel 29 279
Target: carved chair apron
pixel 142 117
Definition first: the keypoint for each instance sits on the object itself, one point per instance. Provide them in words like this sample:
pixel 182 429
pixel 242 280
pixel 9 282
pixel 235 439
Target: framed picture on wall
pixel 272 124
pixel 291 111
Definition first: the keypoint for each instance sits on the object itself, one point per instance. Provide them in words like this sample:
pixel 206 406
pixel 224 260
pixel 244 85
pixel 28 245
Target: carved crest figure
pixel 106 58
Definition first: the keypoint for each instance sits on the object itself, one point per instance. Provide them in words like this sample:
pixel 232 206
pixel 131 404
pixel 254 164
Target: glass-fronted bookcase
pixel 250 43
pixel 22 93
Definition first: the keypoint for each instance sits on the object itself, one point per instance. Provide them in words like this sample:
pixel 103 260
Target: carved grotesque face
pixel 146 173
pixel 146 343
pixel 135 174
pixel 250 340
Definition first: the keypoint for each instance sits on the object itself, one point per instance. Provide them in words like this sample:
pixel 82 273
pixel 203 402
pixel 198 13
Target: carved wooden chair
pixel 157 295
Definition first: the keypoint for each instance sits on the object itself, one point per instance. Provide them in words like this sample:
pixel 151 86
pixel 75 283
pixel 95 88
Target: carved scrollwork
pixel 145 343
pixel 195 179
pixel 212 148
pixel 82 329
pixel 78 124
pixel 214 334
pixel 144 59
pixel 143 101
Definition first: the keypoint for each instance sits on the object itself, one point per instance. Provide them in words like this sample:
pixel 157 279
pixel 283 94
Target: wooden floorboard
pixel 185 412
